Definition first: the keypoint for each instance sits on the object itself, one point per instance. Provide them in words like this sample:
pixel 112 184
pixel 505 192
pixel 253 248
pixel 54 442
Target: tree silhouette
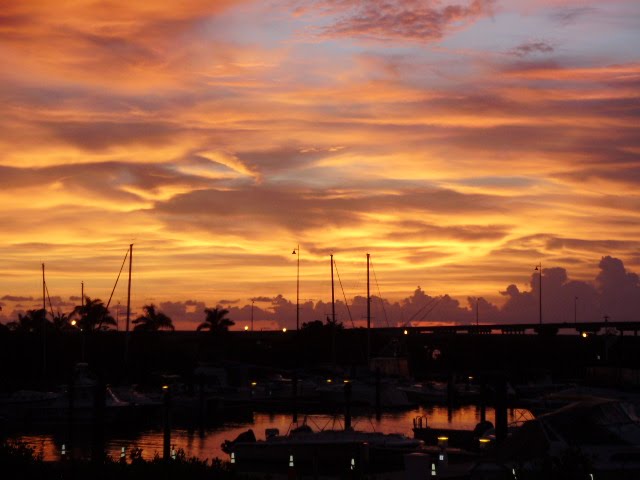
pixel 62 322
pixel 152 320
pixel 32 321
pixel 215 320
pixel 93 315
pixel 316 326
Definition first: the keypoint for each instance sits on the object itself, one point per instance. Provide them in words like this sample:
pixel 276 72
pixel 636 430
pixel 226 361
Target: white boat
pixel 325 451
pixel 426 392
pixel 601 433
pixel 79 404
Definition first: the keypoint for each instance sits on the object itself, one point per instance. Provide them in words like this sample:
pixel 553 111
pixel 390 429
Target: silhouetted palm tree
pixel 93 315
pixel 152 321
pixel 32 321
pixel 62 322
pixel 215 320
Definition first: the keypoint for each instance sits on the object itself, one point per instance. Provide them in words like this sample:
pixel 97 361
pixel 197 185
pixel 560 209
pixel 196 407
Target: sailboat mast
pixel 44 327
pixel 44 303
pixel 333 315
pixel 333 298
pixel 368 315
pixel 129 287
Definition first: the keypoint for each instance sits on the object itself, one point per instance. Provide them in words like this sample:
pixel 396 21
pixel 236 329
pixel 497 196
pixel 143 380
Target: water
pixel 206 444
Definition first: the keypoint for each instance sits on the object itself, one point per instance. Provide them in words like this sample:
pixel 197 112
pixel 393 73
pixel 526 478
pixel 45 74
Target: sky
pixel 459 142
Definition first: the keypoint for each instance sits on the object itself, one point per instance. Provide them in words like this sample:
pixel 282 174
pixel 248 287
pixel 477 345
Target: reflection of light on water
pixel 207 445
pixel 43 444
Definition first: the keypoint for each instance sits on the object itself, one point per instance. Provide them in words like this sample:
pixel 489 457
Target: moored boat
pixel 325 451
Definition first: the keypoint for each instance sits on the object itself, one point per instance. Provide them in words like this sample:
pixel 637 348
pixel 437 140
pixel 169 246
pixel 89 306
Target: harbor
pixel 372 421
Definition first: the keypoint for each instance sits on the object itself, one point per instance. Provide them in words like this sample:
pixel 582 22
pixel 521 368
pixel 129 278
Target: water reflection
pixel 205 444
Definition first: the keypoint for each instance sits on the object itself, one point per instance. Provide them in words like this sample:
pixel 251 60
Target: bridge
pixel 582 328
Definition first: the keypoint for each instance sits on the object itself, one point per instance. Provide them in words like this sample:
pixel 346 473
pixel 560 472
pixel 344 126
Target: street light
pixel 296 251
pixel 539 269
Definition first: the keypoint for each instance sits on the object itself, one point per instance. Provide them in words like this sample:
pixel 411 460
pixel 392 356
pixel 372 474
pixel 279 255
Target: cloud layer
pixel 460 142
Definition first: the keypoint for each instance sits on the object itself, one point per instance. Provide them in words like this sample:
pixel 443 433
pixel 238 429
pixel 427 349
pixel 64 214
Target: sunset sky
pixel 460 142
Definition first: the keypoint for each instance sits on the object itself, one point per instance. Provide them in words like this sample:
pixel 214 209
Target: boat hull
pixel 324 453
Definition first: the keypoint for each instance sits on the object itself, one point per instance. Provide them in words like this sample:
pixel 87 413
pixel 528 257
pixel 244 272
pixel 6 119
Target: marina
pixel 207 442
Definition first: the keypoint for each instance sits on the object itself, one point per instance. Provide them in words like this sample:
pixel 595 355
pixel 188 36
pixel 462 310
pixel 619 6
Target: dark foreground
pixel 18 460
pixel 32 361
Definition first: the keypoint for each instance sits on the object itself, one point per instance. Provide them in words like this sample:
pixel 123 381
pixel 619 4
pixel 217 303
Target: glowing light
pixel 585 334
pixel 284 330
pixel 73 323
pixel 406 332
pixel 246 328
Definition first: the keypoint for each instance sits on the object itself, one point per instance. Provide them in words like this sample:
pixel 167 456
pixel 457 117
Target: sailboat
pixel 370 391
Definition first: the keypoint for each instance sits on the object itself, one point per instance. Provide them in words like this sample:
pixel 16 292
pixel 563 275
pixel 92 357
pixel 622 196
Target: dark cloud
pixel 295 209
pixel 108 179
pixel 100 135
pixel 424 255
pixel 615 293
pixel 568 260
pixel 17 298
pixel 413 20
pixel 117 50
pixel 591 144
pixel 418 230
pixel 529 48
pixel 228 302
pixel 128 41
pixel 619 290
pixel 570 15
pixel 622 174
pixel 558 243
pixel 263 299
pixel 185 315
pixel 283 158
pixel 57 302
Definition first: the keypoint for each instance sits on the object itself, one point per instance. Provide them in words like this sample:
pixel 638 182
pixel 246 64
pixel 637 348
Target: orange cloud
pixel 215 136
